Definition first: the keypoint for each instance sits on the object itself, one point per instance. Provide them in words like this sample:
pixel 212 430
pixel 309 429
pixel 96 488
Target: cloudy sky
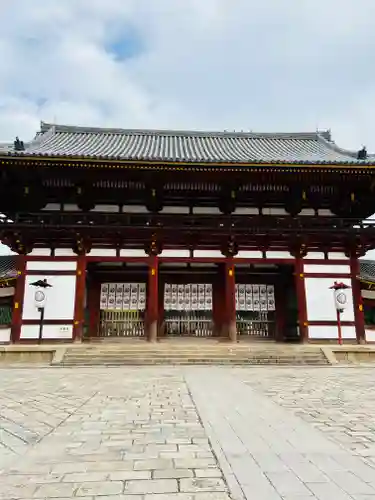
pixel 264 65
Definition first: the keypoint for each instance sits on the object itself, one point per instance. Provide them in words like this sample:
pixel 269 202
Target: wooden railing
pixel 121 324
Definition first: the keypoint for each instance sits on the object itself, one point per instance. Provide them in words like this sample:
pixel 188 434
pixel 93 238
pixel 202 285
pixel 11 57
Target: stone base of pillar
pixel 232 331
pixel 152 331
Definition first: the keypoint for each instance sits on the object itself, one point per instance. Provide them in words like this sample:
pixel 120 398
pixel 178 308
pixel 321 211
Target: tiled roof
pixel 192 147
pixel 367 271
pixel 8 268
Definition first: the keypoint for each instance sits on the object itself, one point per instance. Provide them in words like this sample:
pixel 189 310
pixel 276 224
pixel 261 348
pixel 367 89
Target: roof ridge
pixel 46 127
pixel 346 152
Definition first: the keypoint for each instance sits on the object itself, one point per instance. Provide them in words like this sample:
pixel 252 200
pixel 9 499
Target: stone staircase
pixel 199 353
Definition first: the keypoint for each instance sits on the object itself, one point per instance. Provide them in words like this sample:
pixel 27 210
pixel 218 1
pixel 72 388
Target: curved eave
pixel 159 163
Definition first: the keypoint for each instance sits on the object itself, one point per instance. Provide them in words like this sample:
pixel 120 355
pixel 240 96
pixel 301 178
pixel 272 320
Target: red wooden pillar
pixel 230 299
pixel 152 299
pixel 18 299
pixel 79 305
pixel 301 299
pixel 359 316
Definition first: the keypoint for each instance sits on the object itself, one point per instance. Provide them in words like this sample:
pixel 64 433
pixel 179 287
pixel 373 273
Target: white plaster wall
pixel 272 254
pixel 325 212
pixel 52 207
pixel 49 332
pixel 175 210
pixel 314 255
pixel 51 265
pixel 71 207
pixel 175 253
pixel 337 255
pixel 326 268
pixel 206 210
pixel 320 303
pixel 370 335
pixel 307 212
pixel 40 252
pixel 106 208
pixel 64 252
pixel 244 254
pixel 134 209
pixel 61 297
pixel 130 252
pixel 331 332
pixel 274 211
pixel 246 211
pixel 4 335
pixel 208 253
pixel 102 252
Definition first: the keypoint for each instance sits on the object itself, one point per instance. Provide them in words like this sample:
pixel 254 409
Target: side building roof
pixel 185 146
pixel 8 269
pixel 367 271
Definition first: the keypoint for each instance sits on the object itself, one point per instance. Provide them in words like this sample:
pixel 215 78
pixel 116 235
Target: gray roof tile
pixel 181 146
pixel 367 270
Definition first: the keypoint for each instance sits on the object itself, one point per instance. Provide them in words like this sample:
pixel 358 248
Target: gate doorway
pixel 116 300
pixel 187 295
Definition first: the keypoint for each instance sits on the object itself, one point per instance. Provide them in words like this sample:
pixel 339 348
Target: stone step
pixel 151 354
pixel 193 359
pixel 194 354
pixel 196 361
pixel 234 352
pixel 169 348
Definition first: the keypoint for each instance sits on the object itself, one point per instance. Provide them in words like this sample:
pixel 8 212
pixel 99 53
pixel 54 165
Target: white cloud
pixel 214 64
pixel 204 64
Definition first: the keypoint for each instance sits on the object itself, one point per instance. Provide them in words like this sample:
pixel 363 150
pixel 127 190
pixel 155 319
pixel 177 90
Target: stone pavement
pixel 187 433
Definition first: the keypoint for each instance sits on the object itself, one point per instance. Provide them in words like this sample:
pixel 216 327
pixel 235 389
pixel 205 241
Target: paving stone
pixel 287 483
pixel 126 475
pixel 214 472
pixel 328 491
pixel 189 496
pixel 85 477
pixel 351 483
pixel 202 484
pixel 175 473
pixel 152 486
pixel 100 488
pixel 54 490
pixel 153 464
pixel 277 433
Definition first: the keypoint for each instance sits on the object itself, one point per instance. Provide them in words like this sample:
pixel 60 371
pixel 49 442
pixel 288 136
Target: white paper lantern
pixel 341 299
pixel 40 297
